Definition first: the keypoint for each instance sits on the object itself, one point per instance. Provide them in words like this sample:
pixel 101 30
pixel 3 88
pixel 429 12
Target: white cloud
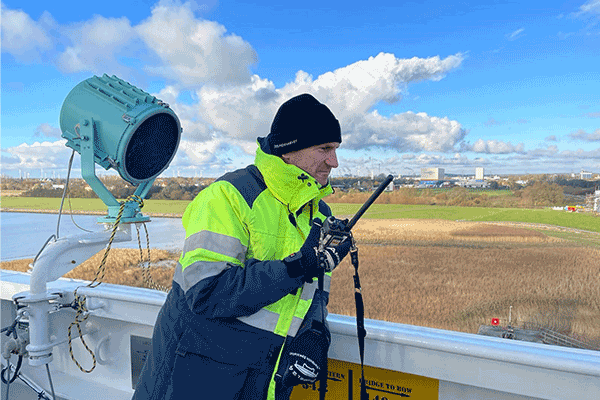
pixel 404 164
pixel 46 155
pixel 549 151
pixel 563 36
pixel 212 157
pixel 47 130
pixel 492 122
pixel 581 134
pixel 95 45
pixel 246 112
pixel 516 34
pixel 168 94
pixel 589 12
pixel 590 8
pixel 243 112
pixel 23 37
pixel 404 132
pixel 172 43
pixel 8 160
pixel 496 147
pixel 358 87
pixel 352 91
pixel 575 155
pixel 194 51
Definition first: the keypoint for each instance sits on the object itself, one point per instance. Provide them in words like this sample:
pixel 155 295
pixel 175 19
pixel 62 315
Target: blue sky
pixel 513 87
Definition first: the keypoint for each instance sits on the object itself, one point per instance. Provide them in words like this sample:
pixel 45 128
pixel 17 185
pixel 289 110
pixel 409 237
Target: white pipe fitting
pixel 63 255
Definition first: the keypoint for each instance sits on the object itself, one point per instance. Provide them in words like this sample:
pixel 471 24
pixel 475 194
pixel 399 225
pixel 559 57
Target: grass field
pixel 488 192
pixel 175 207
pixel 582 221
pixel 444 274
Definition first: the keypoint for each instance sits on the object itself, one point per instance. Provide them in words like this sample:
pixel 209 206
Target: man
pixel 244 286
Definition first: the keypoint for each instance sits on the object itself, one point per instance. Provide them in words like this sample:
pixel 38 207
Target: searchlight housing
pixel 116 125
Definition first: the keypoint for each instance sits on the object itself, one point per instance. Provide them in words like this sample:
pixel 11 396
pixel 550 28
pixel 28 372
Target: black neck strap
pixel 360 330
pixel 360 322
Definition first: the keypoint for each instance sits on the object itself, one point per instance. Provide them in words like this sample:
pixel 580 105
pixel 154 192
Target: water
pixel 22 235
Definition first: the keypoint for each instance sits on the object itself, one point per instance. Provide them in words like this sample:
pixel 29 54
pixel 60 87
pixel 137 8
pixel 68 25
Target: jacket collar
pixel 288 183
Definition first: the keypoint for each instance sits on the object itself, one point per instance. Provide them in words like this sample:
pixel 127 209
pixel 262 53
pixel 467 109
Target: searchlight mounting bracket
pixel 131 210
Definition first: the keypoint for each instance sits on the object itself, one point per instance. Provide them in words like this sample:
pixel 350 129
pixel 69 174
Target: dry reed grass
pixel 468 273
pixel 122 267
pixel 460 288
pixel 440 274
pixel 11 193
pixel 385 231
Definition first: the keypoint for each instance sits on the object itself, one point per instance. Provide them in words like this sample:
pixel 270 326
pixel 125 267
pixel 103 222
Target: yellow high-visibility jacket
pixel 233 300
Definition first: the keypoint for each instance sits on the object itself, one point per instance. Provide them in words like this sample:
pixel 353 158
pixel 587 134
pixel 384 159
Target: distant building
pixel 585 175
pixel 430 184
pixel 477 183
pixel 432 174
pixel 479 173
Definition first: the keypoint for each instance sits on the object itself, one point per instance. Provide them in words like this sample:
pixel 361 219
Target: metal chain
pixel 81 313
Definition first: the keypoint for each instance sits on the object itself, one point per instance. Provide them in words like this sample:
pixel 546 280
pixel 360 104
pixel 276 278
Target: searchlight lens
pixel 151 147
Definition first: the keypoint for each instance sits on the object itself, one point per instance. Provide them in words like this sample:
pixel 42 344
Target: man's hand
pixel 310 262
pixel 331 257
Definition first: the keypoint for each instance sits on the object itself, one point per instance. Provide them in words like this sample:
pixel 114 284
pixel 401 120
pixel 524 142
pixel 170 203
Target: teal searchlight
pixel 114 124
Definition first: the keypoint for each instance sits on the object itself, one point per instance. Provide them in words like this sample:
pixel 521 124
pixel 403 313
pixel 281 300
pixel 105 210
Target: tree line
pixel 539 191
pixel 162 189
pixel 539 194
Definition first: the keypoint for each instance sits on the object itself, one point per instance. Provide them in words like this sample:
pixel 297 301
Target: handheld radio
pixel 335 231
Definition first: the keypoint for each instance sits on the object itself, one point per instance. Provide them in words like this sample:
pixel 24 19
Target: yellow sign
pixel 343 383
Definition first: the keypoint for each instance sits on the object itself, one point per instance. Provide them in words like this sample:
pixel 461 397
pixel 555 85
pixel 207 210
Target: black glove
pixel 304 358
pixel 308 261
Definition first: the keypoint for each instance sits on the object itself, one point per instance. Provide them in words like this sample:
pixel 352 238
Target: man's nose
pixel 332 160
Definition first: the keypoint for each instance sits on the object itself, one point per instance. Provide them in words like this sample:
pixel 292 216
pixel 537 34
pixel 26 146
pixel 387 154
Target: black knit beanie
pixel 302 122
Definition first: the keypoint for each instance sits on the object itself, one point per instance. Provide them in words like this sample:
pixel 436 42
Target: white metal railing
pixel 459 365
